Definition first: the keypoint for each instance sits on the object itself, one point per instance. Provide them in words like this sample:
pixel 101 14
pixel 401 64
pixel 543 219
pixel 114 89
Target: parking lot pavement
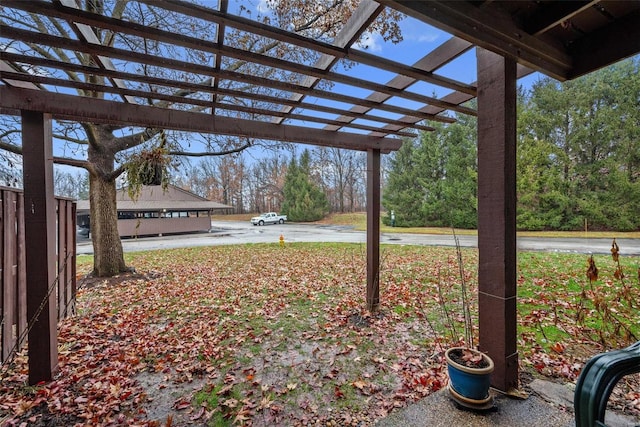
pixel 235 232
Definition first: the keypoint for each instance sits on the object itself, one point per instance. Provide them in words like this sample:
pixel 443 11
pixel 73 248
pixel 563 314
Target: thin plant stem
pixel 450 325
pixel 468 324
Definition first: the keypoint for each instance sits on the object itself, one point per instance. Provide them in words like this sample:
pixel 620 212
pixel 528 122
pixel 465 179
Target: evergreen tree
pixel 431 174
pixel 578 160
pixel 460 183
pixel 303 200
pixel 433 181
pixel 543 201
pixel 403 193
pixel 588 166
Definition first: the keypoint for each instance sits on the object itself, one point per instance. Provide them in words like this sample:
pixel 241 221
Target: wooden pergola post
pixel 373 229
pixel 497 215
pixel 40 244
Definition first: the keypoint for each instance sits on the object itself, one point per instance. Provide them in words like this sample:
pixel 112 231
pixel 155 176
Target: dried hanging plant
pixel 149 167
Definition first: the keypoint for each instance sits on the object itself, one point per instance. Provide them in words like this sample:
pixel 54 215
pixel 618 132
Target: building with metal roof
pixel 158 211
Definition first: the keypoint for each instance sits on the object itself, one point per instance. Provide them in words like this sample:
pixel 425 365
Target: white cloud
pixel 371 42
pixel 419 32
pixel 262 6
pixel 420 37
pixel 427 38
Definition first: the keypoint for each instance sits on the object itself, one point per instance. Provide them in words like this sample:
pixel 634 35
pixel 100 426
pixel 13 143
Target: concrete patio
pixel 548 405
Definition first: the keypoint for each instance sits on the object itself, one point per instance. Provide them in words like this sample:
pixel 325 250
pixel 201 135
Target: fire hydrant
pixel 281 241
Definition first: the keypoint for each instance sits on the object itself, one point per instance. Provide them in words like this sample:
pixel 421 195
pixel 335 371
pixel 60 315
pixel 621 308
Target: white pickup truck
pixel 268 218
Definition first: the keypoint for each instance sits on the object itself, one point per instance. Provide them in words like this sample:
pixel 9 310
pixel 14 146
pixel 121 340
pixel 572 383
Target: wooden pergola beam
pixel 435 59
pixel 603 46
pixel 85 32
pixel 206 103
pixel 117 25
pixel 365 13
pixel 76 108
pixel 63 43
pixel 345 52
pixel 554 14
pixel 185 87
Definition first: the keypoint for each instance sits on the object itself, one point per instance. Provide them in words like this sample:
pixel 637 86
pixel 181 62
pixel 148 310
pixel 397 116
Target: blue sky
pixel 419 39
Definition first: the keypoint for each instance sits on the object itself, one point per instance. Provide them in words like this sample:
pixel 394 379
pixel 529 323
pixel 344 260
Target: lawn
pixel 264 335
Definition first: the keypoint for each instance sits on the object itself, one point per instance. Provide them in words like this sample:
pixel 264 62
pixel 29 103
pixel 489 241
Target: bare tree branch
pixel 130 141
pixel 116 173
pixel 10 148
pixel 71 139
pixel 211 153
pixel 73 162
pixel 57 160
pixel 8 132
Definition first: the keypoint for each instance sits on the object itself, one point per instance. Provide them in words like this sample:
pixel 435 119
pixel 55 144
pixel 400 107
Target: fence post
pixel 22 275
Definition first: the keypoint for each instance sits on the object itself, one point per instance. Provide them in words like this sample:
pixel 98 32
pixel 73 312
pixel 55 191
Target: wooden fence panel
pixel 9 283
pixel 13 285
pixel 66 258
pixel 73 273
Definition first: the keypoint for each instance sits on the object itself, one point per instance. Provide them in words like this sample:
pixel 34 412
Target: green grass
pixel 550 295
pixel 211 400
pixel 291 321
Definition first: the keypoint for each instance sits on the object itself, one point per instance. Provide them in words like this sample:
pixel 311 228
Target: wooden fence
pixel 13 285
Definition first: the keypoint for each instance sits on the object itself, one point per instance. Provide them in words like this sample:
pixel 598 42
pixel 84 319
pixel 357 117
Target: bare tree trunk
pixel 108 255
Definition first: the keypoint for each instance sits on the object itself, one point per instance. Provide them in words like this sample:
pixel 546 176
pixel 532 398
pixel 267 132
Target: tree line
pixel 578 160
pixel 312 183
pixel 578 164
pixel 305 186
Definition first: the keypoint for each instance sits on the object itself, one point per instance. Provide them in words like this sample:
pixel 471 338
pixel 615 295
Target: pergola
pixel 512 38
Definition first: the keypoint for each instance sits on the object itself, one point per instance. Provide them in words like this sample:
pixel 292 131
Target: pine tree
pixel 433 181
pixel 303 200
pixel 403 193
pixel 460 183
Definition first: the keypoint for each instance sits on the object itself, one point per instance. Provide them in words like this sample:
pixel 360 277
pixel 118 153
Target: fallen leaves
pixel 285 342
pixel 558 347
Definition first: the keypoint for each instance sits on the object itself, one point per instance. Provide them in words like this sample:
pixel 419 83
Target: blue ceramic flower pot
pixel 470 384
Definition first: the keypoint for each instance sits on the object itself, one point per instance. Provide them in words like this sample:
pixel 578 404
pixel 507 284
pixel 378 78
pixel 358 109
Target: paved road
pixel 234 232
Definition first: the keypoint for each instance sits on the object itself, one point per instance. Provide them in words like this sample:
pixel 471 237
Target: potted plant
pixel 469 377
pixel 469 369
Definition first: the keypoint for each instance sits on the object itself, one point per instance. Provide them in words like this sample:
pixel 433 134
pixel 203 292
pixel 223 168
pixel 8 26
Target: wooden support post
pixel 373 229
pixel 40 244
pixel 497 215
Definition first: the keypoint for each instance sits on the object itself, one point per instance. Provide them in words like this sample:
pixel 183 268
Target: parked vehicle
pixel 82 232
pixel 268 218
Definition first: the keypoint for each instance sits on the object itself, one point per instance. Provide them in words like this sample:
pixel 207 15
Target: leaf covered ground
pixel 263 335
